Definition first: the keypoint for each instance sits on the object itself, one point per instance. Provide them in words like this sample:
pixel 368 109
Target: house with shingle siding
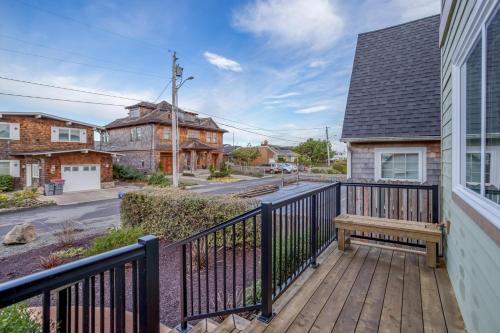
pixel 144 138
pixel 392 118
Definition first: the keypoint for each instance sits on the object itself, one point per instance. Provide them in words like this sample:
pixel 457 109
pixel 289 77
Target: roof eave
pixel 392 139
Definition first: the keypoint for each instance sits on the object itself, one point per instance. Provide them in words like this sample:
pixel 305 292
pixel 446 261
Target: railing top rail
pixel 408 186
pixel 217 227
pixel 34 284
pixel 303 195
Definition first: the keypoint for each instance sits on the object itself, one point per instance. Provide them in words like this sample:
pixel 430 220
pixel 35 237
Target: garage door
pixel 81 177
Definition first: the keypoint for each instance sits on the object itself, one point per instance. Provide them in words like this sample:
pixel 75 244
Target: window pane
pixel 492 185
pixel 387 166
pixel 4 131
pixel 63 134
pixel 4 168
pixel 473 108
pixel 75 135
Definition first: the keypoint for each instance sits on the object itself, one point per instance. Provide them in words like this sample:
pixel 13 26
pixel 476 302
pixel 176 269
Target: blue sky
pixel 280 65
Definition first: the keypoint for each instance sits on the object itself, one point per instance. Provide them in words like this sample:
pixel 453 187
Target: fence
pixel 90 295
pixel 244 264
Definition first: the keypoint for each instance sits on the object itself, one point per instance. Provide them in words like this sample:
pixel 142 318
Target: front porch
pixel 367 289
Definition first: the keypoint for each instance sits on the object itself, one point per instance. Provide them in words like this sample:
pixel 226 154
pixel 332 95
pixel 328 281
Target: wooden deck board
pixel 330 312
pixel 390 321
pixel 369 289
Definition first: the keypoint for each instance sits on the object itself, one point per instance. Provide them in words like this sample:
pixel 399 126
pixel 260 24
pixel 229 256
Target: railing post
pixel 338 187
pixel 149 286
pixel 435 204
pixel 183 327
pixel 266 262
pixel 314 231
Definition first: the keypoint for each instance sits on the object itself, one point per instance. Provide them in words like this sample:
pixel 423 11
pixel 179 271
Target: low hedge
pixel 174 214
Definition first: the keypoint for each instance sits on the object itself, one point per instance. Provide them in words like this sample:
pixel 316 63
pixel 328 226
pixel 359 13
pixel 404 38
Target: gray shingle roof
pixel 395 83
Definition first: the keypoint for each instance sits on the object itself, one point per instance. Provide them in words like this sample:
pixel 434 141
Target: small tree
pixel 314 150
pixel 246 155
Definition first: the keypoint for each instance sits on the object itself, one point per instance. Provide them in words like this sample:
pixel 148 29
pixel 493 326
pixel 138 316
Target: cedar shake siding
pixel 34 144
pixel 200 139
pixel 363 159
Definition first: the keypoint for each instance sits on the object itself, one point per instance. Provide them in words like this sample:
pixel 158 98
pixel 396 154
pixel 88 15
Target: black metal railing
pixel 419 203
pixel 244 264
pixel 90 295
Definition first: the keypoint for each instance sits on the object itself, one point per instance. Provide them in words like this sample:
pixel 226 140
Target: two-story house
pixel 35 147
pixel 144 138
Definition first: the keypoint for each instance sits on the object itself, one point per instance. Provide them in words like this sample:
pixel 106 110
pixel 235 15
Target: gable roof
pixel 160 114
pixel 395 83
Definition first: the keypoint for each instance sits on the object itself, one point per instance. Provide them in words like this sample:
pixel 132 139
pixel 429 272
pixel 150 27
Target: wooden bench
pixel 428 232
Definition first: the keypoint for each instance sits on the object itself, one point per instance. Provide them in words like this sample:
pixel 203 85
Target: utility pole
pixel 327 145
pixel 175 164
pixel 233 139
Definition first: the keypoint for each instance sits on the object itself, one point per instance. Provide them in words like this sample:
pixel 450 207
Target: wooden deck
pixel 367 289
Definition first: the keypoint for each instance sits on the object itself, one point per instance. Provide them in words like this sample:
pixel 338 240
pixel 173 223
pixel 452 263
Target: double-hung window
pixel 136 134
pixel 403 164
pixel 193 134
pixel 9 131
pixel 4 167
pixel 167 133
pixel 476 116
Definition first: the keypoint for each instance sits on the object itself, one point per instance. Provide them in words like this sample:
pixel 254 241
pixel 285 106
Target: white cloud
pixel 412 10
pixel 222 62
pixel 290 94
pixel 318 63
pixel 315 24
pixel 313 109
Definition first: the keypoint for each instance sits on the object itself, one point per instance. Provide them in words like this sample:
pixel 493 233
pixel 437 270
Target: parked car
pixel 271 168
pixel 286 167
pixel 293 166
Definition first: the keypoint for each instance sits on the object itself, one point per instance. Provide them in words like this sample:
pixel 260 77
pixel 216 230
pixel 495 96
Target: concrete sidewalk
pixel 71 198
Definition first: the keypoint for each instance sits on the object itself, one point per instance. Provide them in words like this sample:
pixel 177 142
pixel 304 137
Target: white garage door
pixel 81 177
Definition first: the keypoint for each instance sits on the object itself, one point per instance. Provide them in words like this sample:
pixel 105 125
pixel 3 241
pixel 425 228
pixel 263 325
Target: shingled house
pixel 392 118
pixel 144 138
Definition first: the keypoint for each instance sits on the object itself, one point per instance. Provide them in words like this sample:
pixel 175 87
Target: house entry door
pixel 166 161
pixel 29 175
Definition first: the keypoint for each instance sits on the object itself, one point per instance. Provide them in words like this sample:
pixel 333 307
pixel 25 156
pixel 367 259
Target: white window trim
pixel 422 161
pixel 169 131
pixel 82 133
pixel 481 13
pixel 10 134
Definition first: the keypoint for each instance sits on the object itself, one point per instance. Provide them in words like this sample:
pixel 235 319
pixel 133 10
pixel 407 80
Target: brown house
pixel 144 138
pixel 35 147
pixel 274 154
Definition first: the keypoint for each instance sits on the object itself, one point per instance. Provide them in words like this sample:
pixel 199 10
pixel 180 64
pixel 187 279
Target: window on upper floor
pixel 476 114
pixel 134 113
pixel 405 163
pixel 167 133
pixel 193 134
pixel 214 137
pixel 136 134
pixel 65 134
pixel 9 131
pixel 105 137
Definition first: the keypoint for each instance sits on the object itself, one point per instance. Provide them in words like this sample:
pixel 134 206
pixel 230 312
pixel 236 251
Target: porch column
pixel 193 160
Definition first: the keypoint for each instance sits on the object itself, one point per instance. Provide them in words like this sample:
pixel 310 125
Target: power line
pixel 66 88
pixel 79 63
pixel 62 100
pixel 163 90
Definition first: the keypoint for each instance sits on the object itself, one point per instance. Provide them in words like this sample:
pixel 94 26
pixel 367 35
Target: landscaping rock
pixel 20 234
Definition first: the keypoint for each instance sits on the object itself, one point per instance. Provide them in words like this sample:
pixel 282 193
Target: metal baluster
pixel 111 300
pixel 101 302
pixel 46 312
pixel 274 251
pixel 234 266
pixel 255 260
pixel 216 301
pixel 191 290
pixel 207 293
pixel 224 268
pixel 75 308
pixel 245 262
pixel 280 270
pixel 198 257
pixel 134 296
pixel 286 263
pixel 62 311
pixel 85 304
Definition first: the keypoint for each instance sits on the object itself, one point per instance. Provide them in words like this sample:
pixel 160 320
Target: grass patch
pixel 114 239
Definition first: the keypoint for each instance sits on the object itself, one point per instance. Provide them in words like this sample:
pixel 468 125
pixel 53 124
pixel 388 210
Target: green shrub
pixel 188 174
pixel 340 166
pixel 224 171
pixel 4 200
pixel 6 183
pixel 159 179
pixel 126 172
pixel 174 214
pixel 17 318
pixel 114 239
pixel 71 252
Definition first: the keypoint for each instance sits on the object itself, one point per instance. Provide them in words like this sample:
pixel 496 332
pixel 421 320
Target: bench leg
pixel 431 254
pixel 343 239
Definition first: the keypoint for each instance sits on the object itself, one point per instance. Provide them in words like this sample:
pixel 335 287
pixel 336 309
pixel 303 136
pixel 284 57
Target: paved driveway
pixel 92 217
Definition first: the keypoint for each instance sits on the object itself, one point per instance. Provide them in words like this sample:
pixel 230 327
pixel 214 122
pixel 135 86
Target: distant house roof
pixel 395 83
pixel 283 150
pixel 228 149
pixel 48 116
pixel 160 113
